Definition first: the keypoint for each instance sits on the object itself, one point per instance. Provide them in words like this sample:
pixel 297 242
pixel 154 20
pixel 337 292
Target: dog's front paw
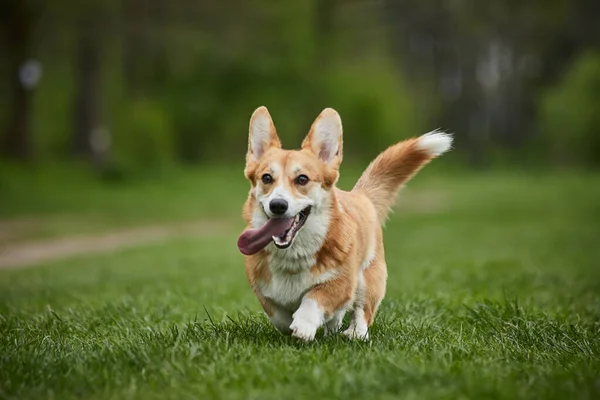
pixel 306 320
pixel 303 329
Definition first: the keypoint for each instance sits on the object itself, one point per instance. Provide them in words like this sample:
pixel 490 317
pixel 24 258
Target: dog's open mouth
pixel 281 231
pixel 284 240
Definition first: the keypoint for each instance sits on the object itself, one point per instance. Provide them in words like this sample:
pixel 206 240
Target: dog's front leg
pixel 317 305
pixel 307 319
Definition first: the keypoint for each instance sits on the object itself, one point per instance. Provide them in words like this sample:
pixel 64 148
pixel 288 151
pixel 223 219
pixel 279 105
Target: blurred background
pixel 124 123
pixel 100 95
pixel 123 134
pixel 139 84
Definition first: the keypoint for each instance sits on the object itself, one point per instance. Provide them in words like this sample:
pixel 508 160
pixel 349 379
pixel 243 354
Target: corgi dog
pixel 312 251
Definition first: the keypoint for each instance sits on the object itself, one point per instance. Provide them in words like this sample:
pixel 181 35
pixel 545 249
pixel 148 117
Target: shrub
pixel 569 115
pixel 376 106
pixel 144 138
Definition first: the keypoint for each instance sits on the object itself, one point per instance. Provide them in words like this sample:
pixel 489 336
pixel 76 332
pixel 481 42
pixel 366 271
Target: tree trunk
pixel 324 19
pixel 17 140
pixel 88 100
pixel 133 46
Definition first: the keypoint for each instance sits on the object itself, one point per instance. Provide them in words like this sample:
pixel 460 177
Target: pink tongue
pixel 251 241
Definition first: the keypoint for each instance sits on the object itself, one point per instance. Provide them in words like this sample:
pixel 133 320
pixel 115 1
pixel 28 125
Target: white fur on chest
pixel 287 289
pixel 290 268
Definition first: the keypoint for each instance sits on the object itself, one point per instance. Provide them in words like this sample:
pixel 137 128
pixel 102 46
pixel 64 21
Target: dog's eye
pixel 302 180
pixel 267 179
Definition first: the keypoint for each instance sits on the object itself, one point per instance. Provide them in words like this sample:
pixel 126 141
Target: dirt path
pixel 31 253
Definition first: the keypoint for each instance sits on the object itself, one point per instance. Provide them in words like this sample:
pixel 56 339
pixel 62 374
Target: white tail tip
pixel 435 143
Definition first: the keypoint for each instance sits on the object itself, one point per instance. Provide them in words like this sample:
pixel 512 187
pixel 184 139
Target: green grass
pixel 58 200
pixel 494 292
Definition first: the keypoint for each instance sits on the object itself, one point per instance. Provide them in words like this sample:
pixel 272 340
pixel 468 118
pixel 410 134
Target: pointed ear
pixel 262 135
pixel 325 138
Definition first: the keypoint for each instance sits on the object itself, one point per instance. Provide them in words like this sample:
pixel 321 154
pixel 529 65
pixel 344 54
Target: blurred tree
pixel 145 38
pixel 134 45
pixel 324 28
pixel 17 19
pixel 569 114
pixel 487 61
pixel 96 30
pixel 88 103
pixel 187 74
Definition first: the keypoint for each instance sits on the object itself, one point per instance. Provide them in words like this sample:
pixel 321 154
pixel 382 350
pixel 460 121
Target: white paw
pixel 358 329
pixel 307 320
pixel 303 329
pixel 355 333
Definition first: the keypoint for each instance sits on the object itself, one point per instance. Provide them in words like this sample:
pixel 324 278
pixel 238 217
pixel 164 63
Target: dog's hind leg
pixel 335 323
pixel 374 279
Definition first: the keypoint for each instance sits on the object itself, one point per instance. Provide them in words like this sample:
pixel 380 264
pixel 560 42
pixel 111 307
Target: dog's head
pixel 290 197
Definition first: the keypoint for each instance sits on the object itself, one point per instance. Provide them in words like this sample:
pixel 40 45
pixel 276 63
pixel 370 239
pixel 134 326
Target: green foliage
pixel 212 97
pixel 569 113
pixel 210 82
pixel 213 94
pixel 375 104
pixel 211 107
pixel 144 139
pixel 54 111
pixel 207 68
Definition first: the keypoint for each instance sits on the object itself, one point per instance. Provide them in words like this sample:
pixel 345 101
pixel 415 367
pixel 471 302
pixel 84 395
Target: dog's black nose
pixel 278 206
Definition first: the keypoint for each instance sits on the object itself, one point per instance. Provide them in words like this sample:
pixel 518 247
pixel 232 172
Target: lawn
pixel 493 292
pixel 52 201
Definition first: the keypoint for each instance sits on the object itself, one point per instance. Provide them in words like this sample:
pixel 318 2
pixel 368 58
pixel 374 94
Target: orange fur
pixel 347 271
pixel 388 172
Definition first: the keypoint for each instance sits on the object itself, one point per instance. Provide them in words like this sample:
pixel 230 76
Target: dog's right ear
pixel 262 137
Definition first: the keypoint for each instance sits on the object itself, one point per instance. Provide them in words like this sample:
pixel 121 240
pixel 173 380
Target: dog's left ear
pixel 325 138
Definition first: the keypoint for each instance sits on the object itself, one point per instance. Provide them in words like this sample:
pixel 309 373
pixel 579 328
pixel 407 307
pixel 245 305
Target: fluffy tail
pixel 384 177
